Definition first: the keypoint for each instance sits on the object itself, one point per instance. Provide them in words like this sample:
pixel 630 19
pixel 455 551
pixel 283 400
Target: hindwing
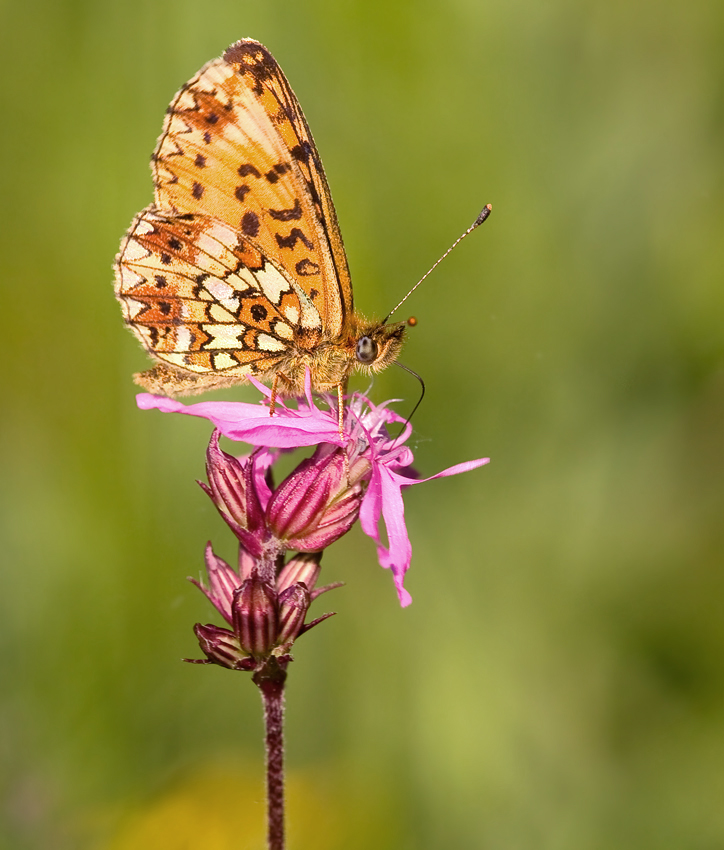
pixel 203 298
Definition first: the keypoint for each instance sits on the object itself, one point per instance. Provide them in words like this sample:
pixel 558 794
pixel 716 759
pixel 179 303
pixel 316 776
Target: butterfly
pixel 237 269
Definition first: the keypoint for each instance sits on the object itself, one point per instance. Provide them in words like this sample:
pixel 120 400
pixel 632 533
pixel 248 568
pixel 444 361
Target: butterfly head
pixel 378 345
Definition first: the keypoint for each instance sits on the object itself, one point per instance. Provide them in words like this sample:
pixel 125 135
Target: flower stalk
pixel 270 681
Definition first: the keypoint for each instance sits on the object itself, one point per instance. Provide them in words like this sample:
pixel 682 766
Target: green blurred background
pixel 557 683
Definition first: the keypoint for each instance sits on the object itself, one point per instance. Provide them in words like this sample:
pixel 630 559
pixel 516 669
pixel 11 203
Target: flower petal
pixel 251 423
pixel 465 466
pixel 397 558
pixel 262 459
pixel 371 509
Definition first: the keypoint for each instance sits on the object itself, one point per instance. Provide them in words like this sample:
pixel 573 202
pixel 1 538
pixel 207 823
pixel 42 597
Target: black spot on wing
pixel 302 152
pixel 292 214
pixel 280 168
pixel 295 235
pixel 250 224
pixel 306 268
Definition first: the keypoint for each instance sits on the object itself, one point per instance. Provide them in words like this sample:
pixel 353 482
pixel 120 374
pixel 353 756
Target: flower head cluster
pixel 358 473
pixel 266 616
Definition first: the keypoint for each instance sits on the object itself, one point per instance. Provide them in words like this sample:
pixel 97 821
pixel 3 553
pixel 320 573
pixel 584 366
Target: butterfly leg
pixel 341 392
pixel 280 376
pixel 341 389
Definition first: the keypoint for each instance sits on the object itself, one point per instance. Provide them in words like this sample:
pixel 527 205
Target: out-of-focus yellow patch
pixel 216 807
pixel 222 807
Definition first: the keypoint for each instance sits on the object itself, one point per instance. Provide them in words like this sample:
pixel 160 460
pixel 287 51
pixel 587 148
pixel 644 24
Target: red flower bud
pixel 233 489
pixel 294 603
pixel 255 617
pixel 301 568
pixel 316 504
pixel 222 647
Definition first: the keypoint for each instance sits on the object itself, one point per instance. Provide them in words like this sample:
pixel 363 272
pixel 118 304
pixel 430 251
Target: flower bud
pixel 222 647
pixel 333 523
pixel 223 582
pixel 315 505
pixel 255 617
pixel 301 568
pixel 232 488
pixel 294 603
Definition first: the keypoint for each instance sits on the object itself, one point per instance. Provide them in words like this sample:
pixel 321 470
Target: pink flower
pixel 319 500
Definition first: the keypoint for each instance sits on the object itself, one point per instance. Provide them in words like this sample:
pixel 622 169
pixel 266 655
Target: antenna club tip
pixel 487 209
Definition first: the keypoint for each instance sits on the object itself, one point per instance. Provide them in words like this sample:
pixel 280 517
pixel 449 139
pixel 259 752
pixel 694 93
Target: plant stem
pixel 270 681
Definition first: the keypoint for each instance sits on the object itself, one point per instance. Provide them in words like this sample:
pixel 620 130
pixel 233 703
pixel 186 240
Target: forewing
pixel 203 298
pixel 236 146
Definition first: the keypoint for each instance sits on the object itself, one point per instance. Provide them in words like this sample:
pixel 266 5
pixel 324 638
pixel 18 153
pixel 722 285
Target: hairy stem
pixel 270 681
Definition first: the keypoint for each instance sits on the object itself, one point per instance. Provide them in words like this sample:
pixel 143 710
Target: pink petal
pixel 402 594
pixel 262 461
pixel 251 423
pixel 263 388
pixel 371 508
pixel 397 558
pixel 384 498
pixel 466 466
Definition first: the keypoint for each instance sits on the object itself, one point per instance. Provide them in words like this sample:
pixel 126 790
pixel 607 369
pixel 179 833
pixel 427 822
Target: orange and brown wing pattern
pixel 236 147
pixel 204 299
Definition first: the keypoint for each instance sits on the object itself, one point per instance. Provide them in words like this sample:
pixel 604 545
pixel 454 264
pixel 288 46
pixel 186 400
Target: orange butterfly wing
pixel 236 146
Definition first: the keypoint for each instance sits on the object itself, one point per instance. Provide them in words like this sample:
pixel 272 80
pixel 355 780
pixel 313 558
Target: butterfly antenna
pixel 419 401
pixel 487 209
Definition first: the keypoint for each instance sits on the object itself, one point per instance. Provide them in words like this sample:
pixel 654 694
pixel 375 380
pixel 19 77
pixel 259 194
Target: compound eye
pixel 366 350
